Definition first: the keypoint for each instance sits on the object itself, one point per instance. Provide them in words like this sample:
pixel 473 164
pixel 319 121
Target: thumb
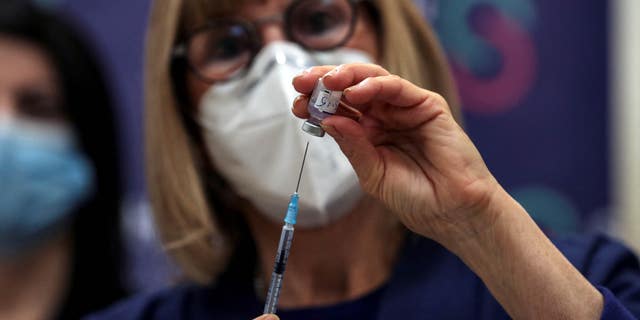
pixel 360 151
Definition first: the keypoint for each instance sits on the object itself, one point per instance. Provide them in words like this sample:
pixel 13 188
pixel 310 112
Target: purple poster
pixel 533 80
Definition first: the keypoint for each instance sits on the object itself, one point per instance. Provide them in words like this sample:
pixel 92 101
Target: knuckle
pixel 438 100
pixel 368 81
pixel 314 69
pixel 395 78
pixel 381 70
pixel 319 70
pixel 345 67
pixel 371 68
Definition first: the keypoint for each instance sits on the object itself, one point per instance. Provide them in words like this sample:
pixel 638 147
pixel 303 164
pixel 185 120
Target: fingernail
pixel 302 73
pixel 300 100
pixel 296 78
pixel 363 83
pixel 272 317
pixel 331 130
pixel 332 72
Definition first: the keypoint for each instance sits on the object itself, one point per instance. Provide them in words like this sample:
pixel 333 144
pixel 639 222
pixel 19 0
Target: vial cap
pixel 312 129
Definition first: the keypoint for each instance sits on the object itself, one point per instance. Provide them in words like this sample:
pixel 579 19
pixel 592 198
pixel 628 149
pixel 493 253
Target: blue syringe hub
pixel 292 210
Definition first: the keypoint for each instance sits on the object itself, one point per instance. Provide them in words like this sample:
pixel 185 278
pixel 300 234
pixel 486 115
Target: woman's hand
pixel 408 152
pixel 407 149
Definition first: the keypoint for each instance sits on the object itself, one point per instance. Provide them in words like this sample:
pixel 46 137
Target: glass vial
pixel 323 103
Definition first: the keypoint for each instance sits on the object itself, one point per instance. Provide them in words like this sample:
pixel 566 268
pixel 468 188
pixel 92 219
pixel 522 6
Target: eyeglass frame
pixel 180 51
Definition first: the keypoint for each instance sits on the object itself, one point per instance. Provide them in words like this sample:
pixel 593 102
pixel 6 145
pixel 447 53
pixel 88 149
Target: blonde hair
pixel 188 227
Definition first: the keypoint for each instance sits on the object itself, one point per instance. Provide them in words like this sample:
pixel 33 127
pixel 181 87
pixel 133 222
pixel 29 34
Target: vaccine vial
pixel 323 103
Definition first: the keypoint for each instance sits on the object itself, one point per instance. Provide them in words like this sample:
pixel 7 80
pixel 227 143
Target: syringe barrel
pixel 284 246
pixel 274 292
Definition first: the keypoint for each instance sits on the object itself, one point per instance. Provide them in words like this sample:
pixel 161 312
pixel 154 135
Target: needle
pixel 284 246
pixel 304 158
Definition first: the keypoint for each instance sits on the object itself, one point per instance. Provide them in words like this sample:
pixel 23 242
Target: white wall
pixel 625 93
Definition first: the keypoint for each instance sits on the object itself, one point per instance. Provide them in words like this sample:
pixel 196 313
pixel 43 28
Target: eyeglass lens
pixel 221 50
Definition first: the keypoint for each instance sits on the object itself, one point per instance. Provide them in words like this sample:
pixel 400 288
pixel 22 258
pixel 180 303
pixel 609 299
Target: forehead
pixel 23 63
pixel 256 9
pixel 196 13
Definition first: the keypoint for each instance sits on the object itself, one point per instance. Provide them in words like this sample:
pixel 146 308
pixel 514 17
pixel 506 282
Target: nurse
pixel 400 218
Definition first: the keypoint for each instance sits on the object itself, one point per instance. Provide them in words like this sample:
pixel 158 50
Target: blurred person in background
pixel 59 178
pixel 420 230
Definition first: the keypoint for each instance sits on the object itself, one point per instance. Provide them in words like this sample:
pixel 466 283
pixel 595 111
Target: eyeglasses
pixel 223 48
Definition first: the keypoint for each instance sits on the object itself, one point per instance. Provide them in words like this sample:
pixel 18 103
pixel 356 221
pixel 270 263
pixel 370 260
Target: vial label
pixel 326 100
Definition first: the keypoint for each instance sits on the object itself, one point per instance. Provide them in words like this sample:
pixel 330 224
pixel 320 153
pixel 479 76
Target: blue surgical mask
pixel 43 179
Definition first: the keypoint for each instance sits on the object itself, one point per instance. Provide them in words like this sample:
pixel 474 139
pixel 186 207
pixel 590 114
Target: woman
pixel 59 244
pixel 433 235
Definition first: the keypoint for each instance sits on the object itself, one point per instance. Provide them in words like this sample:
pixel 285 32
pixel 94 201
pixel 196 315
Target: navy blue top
pixel 362 308
pixel 428 282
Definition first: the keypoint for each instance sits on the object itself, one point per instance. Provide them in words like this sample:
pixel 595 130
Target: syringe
pixel 284 246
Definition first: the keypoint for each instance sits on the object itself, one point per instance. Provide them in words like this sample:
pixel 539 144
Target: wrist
pixel 520 266
pixel 481 224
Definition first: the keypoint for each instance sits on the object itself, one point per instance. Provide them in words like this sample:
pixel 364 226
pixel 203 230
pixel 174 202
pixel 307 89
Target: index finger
pixel 337 78
pixel 306 81
pixel 347 75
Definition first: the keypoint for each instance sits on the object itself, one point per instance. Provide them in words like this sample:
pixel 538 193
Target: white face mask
pixel 257 144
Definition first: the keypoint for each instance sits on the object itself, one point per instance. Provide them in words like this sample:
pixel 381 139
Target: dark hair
pixel 95 276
